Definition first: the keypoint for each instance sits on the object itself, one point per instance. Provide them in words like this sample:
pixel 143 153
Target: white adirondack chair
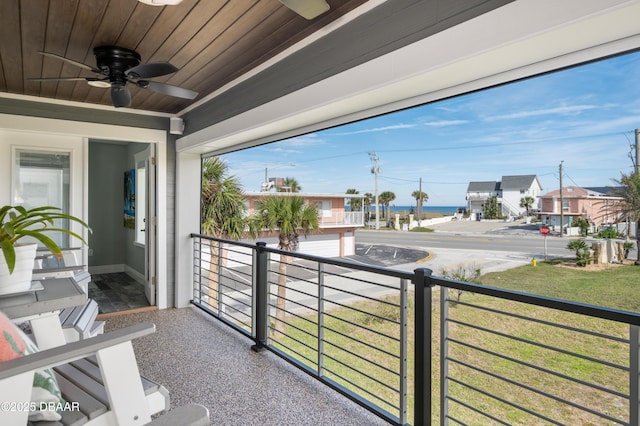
pixel 101 375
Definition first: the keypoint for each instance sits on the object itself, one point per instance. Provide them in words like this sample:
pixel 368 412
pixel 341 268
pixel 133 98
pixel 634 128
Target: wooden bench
pixel 101 375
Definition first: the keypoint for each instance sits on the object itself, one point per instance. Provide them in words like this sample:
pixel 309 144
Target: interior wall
pixel 107 162
pixel 113 249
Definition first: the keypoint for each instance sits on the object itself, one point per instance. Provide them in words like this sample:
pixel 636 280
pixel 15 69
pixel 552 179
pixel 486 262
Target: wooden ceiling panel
pixel 211 41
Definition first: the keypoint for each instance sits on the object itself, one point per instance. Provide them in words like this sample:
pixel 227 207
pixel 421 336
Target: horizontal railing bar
pixel 390 403
pixel 542 345
pixel 363 296
pixel 233 308
pixel 297 291
pixel 300 356
pixel 235 318
pixel 381 367
pixel 310 308
pixel 378 411
pixel 395 339
pixel 210 238
pixel 363 374
pixel 472 408
pixel 504 401
pixel 362 311
pixel 362 280
pixel 537 391
pixel 297 352
pixel 541 369
pixel 540 321
pixel 453 419
pixel 286 323
pixel 370 346
pixel 315 349
pixel 547 302
pixel 222 320
pixel 306 319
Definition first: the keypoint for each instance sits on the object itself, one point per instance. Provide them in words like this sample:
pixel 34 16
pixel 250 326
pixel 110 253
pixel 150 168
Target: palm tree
pixel 367 200
pixel 222 213
pixel 385 199
pixel 421 198
pixel 290 216
pixel 290 185
pixel 526 203
pixel 629 208
pixel 354 203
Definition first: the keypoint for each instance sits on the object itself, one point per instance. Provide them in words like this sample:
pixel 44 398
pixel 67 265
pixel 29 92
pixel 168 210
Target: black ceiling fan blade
pixel 308 9
pixel 155 69
pixel 61 79
pixel 70 61
pixel 120 95
pixel 167 89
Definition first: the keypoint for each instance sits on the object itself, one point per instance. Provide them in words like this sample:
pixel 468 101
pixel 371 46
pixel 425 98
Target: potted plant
pixel 17 260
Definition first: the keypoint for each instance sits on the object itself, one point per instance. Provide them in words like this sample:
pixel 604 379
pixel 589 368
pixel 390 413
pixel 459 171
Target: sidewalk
pixel 441 259
pixel 518 227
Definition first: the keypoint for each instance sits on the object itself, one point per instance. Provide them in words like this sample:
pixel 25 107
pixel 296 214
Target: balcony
pixel 338 219
pixel 341 343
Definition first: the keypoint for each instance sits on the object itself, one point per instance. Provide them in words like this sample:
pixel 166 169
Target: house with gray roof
pixel 509 191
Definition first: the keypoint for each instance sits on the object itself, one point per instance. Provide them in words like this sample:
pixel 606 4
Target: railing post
pixel 261 291
pixel 422 350
pixel 220 306
pixel 404 346
pixel 197 269
pixel 634 374
pixel 444 353
pixel 320 319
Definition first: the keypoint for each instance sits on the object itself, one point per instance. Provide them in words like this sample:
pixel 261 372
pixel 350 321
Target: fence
pixel 466 354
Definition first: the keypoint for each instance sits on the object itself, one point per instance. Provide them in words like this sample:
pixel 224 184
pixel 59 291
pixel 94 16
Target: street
pixel 489 246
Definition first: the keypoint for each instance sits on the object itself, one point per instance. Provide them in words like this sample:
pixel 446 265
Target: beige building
pixel 336 234
pixel 597 205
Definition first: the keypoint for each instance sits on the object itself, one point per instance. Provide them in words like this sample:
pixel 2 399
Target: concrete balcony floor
pixel 199 360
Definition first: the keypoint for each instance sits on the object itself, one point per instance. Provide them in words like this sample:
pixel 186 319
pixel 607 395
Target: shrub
pixel 583 256
pixel 467 274
pixel 421 229
pixel 608 233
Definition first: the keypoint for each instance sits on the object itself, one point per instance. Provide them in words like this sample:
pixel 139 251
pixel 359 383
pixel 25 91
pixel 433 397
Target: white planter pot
pixel 20 280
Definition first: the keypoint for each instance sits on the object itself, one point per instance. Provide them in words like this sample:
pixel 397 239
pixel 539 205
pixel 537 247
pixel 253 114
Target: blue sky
pixel 585 116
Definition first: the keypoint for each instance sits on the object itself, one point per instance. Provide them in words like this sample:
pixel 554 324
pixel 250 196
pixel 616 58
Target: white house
pixel 509 191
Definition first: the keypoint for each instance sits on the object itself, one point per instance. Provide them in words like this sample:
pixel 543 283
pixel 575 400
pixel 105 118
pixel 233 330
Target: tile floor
pixel 116 292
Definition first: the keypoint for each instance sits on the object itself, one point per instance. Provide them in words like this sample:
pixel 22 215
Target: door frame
pixel 146 159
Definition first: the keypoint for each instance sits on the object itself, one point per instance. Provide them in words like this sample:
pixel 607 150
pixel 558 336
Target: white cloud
pixel 377 129
pixel 573 109
pixel 443 123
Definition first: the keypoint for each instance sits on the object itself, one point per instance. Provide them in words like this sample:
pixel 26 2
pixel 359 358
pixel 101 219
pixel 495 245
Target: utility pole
pixel 561 203
pixel 375 170
pixel 420 203
pixel 638 150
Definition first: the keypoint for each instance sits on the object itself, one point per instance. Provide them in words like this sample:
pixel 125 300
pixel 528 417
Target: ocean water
pixel 425 209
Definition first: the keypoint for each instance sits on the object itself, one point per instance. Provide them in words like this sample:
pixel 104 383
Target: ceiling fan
pixel 308 9
pixel 117 66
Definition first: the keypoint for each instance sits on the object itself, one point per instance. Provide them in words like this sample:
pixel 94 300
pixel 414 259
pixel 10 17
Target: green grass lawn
pixel 615 287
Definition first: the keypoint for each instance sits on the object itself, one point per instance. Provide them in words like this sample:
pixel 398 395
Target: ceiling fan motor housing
pixel 114 61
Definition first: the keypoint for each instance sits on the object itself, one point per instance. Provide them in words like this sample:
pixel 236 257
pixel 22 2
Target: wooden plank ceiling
pixel 212 42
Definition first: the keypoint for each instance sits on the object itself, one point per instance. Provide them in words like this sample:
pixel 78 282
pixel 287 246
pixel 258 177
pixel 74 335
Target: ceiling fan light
pixel 308 9
pixel 160 2
pixel 99 83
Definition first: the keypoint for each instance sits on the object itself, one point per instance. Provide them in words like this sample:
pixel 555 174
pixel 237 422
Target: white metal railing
pixel 342 218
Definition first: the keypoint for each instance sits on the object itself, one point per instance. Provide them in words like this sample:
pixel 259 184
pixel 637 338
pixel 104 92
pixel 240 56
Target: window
pixel 42 178
pixel 324 208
